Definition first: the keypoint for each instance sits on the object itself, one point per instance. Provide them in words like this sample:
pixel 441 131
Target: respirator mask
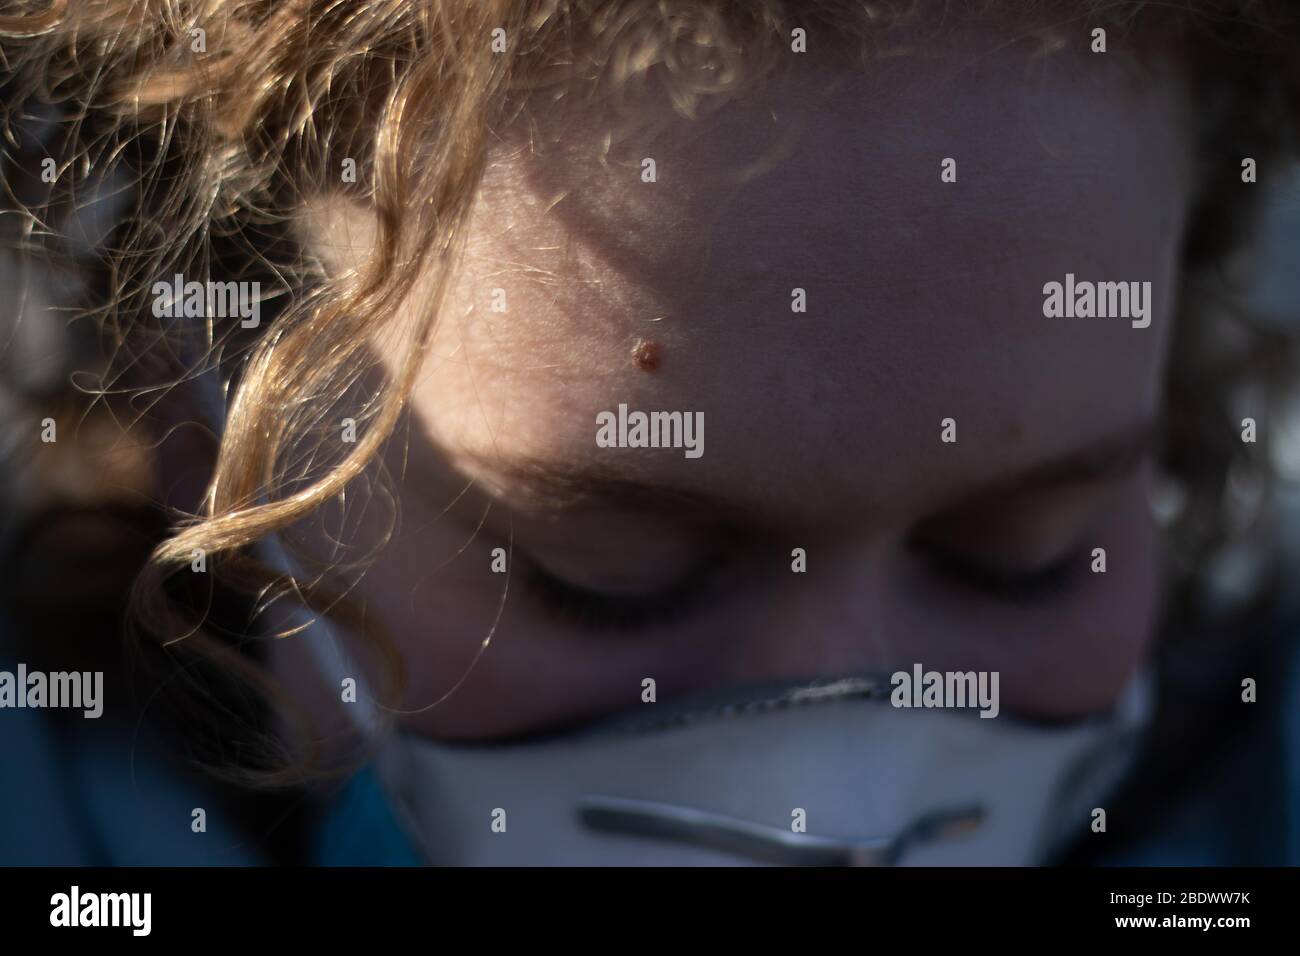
pixel 818 773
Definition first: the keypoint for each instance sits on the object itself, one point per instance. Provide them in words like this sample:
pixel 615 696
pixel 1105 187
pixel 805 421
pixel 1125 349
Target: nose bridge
pixel 849 627
pixel 830 620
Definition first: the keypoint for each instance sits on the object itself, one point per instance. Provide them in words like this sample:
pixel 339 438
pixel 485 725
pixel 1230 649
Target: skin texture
pixel 924 302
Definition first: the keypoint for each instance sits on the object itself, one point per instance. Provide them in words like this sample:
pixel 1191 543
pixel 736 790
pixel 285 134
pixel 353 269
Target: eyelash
pixel 599 611
pixel 596 610
pixel 1033 586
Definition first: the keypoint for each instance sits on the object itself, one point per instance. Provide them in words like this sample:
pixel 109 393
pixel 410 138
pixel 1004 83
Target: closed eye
pixel 610 610
pixel 1013 585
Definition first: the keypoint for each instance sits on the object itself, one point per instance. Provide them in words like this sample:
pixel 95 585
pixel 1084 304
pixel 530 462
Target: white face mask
pixel 825 773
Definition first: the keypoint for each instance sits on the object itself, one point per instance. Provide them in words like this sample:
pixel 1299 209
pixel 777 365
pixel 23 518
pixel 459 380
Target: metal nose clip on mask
pixel 788 846
pixel 766 843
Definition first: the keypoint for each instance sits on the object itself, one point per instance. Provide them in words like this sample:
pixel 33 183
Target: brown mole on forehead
pixel 647 355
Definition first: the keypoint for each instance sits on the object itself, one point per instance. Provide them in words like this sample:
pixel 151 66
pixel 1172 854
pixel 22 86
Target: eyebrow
pixel 551 486
pixel 1113 456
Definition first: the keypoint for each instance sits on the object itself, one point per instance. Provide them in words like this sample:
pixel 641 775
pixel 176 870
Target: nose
pixel 828 620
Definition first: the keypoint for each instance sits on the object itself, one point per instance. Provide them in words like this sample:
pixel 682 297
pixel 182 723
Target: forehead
pixel 924 298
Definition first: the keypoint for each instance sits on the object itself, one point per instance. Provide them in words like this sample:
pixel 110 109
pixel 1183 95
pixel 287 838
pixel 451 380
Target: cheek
pixel 1072 656
pixel 478 661
pixel 1107 628
pixel 444 608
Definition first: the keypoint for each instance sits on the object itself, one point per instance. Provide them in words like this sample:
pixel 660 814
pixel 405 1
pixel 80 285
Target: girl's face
pixel 586 287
